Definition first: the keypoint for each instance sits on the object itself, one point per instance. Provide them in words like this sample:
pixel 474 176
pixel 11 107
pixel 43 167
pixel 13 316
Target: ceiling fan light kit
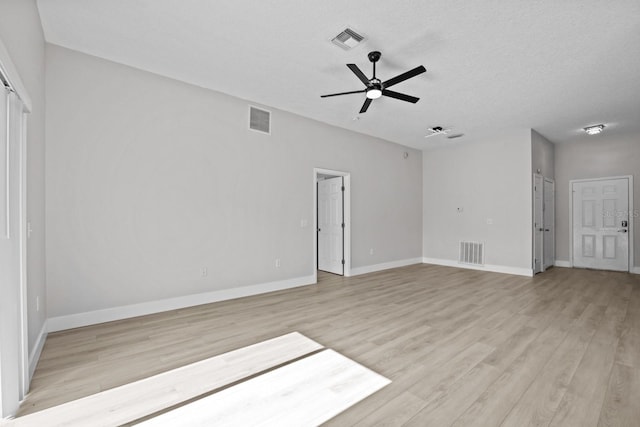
pixel 374 93
pixel 375 88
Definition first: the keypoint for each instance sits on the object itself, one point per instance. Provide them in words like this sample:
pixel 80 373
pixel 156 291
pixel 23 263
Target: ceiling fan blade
pixel 359 73
pixel 343 93
pixel 404 76
pixel 365 106
pixel 400 96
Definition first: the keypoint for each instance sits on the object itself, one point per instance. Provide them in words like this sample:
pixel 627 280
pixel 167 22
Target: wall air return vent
pixel 259 120
pixel 348 39
pixel 471 253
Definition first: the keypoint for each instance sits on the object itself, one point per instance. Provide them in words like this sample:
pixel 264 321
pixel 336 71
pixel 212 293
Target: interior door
pixel 549 244
pixel 601 224
pixel 331 225
pixel 538 227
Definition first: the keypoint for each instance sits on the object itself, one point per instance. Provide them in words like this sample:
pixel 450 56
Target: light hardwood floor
pixel 462 347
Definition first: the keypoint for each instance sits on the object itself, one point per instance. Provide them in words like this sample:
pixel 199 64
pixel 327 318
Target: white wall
pixel 489 176
pixel 21 33
pixel 149 180
pixel 594 157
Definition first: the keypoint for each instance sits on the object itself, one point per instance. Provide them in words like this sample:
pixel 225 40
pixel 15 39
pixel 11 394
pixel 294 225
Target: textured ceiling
pixel 551 65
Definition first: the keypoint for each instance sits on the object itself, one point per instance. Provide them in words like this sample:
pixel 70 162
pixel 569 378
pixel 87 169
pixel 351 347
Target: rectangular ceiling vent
pixel 348 39
pixel 471 253
pixel 259 120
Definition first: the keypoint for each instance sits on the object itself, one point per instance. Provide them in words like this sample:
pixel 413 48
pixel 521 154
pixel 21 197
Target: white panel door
pixel 601 224
pixel 330 225
pixel 549 244
pixel 538 227
pixel 11 355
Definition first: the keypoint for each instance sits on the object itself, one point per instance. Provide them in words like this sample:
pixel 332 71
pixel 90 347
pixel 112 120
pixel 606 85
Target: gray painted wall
pixel 594 157
pixel 150 179
pixel 489 176
pixel 21 33
pixel 542 155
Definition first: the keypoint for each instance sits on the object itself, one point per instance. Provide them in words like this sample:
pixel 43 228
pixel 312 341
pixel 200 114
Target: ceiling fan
pixel 375 88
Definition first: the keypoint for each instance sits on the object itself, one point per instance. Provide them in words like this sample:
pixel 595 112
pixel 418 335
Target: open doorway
pixel 332 221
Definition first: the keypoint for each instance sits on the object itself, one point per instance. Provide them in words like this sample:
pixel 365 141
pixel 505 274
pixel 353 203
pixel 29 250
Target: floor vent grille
pixel 471 253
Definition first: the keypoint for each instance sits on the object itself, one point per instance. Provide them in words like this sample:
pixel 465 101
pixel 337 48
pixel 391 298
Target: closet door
pixel 13 346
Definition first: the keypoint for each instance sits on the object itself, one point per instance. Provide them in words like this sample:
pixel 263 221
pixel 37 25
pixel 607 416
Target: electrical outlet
pixel 489 221
pixel 204 272
pixel 371 251
pixel 37 303
pixel 277 262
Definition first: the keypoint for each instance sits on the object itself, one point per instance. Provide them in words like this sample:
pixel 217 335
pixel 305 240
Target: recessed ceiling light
pixel 594 130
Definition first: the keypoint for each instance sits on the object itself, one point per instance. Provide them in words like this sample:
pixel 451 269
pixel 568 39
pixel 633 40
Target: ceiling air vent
pixel 259 120
pixel 347 39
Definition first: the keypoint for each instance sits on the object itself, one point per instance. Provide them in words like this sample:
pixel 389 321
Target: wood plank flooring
pixel 461 347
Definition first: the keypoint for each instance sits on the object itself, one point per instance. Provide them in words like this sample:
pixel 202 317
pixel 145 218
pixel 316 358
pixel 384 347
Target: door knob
pixel 624 230
pixel 546 229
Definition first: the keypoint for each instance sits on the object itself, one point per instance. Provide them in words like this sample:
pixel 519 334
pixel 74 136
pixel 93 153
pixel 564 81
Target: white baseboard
pixel 78 320
pixel 36 351
pixel 384 266
pixel 518 271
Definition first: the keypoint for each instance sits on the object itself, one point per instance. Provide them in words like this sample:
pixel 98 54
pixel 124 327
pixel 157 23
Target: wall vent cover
pixel 348 39
pixel 471 253
pixel 259 120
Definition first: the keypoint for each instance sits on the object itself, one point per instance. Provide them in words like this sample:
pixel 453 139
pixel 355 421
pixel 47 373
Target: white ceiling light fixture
pixel 594 130
pixel 437 130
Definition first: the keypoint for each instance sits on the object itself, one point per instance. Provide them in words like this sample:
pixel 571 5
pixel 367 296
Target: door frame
pixel 347 219
pixel 630 208
pixel 553 221
pixel 23 236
